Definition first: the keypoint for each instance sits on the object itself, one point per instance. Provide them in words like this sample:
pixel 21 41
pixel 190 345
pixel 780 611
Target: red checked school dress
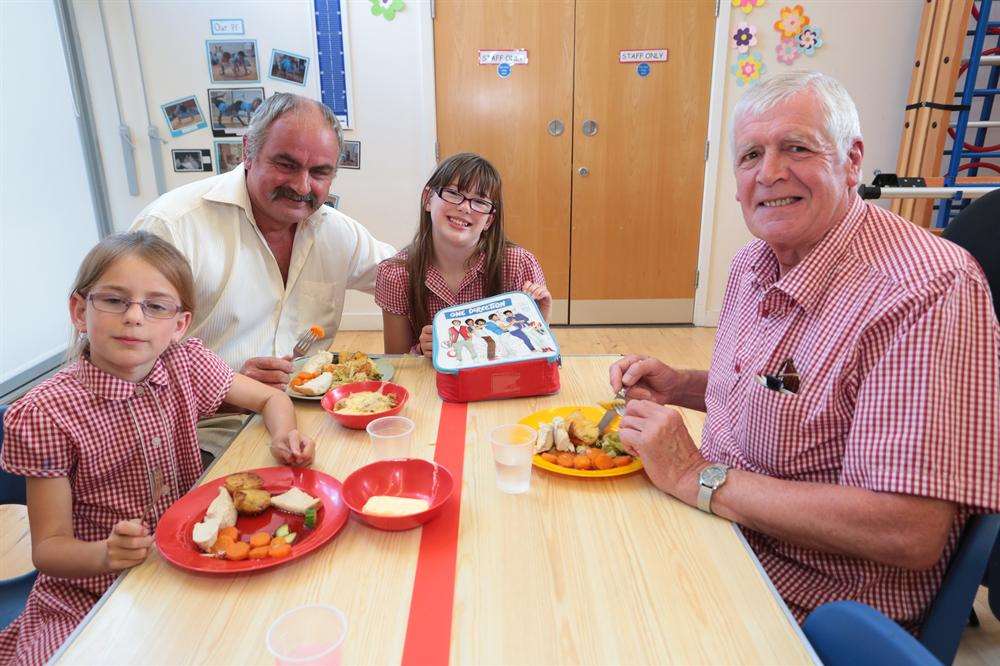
pixel 895 342
pixel 104 434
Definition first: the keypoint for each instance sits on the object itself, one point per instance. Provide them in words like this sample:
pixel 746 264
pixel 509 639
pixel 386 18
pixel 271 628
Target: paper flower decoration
pixel 788 51
pixel 748 69
pixel 387 8
pixel 744 37
pixel 792 20
pixel 809 40
pixel 748 5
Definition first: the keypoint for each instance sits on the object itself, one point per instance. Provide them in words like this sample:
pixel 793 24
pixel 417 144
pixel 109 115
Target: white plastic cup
pixel 391 437
pixel 513 449
pixel 308 636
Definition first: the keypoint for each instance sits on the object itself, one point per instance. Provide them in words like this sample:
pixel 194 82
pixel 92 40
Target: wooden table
pixel 575 571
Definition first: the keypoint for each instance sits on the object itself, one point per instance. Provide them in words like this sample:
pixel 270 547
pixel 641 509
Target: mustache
pixel 289 193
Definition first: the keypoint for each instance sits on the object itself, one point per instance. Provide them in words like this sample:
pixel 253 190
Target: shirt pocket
pixel 318 303
pixel 792 435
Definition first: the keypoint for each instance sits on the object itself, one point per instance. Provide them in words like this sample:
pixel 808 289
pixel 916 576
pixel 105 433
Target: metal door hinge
pixel 697 277
pixel 716 8
pixel 708 142
pixel 437 151
pixel 433 13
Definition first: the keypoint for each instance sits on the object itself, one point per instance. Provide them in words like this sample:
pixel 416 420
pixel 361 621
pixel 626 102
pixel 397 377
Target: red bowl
pixel 360 421
pixel 405 477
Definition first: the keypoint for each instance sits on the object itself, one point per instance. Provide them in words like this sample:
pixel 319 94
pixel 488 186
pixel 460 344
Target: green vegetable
pixel 611 444
pixel 290 537
pixel 282 531
pixel 310 521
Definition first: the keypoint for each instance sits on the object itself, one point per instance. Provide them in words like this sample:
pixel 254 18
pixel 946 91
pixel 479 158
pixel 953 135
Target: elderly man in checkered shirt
pixel 853 407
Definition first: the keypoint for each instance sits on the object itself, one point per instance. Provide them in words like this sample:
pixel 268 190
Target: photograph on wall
pixel 333 200
pixel 231 109
pixel 350 156
pixel 183 115
pixel 228 155
pixel 192 160
pixel 290 67
pixel 232 60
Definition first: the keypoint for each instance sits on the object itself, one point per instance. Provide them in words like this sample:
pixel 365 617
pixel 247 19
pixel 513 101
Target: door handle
pixel 589 128
pixel 556 127
pixel 583 171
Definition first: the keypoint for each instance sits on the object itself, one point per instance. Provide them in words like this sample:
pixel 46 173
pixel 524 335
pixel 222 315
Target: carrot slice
pixel 260 539
pixel 279 549
pixel 317 331
pixel 230 532
pixel 238 551
pixel 258 553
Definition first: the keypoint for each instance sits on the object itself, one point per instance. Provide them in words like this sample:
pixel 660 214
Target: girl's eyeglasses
pixel 157 308
pixel 453 196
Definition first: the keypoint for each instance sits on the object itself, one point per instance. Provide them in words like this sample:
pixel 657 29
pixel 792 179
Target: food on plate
pixel 315 363
pixel 365 402
pixel 317 331
pixel 310 519
pixel 295 500
pixel 575 443
pixel 206 533
pixel 222 509
pixel 243 481
pixel 391 506
pixel 312 383
pixel 251 501
pixel 353 367
pixel 238 551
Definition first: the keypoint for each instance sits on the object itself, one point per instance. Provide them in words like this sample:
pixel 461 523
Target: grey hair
pixel 278 105
pixel 839 112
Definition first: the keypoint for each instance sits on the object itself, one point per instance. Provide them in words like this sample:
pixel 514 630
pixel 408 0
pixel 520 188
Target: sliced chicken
pixel 317 361
pixel 316 385
pixel 222 509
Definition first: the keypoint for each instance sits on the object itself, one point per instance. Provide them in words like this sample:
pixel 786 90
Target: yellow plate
pixel 592 413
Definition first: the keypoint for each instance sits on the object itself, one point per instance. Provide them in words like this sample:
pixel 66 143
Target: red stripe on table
pixel 428 633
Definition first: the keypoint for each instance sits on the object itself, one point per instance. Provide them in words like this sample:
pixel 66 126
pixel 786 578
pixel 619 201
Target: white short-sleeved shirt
pixel 244 308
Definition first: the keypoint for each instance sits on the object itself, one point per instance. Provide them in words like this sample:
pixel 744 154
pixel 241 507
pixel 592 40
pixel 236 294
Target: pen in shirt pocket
pixel 785 381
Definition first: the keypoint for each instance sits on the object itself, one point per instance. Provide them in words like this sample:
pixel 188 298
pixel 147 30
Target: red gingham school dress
pixel 392 280
pixel 893 335
pixel 104 434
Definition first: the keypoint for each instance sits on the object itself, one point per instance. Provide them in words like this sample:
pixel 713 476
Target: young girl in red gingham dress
pixel 89 438
pixel 460 254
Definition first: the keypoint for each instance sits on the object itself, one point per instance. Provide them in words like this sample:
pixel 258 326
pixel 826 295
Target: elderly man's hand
pixel 645 378
pixel 658 435
pixel 274 372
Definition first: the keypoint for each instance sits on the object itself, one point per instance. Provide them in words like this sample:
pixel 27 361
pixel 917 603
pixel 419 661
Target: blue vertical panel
pixel 330 49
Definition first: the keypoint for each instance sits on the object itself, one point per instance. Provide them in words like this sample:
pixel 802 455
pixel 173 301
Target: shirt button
pixel 155 441
pixel 140 391
pixel 736 366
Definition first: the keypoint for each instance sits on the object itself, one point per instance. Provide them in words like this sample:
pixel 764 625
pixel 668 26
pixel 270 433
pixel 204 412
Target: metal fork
pixel 156 485
pixel 619 406
pixel 303 344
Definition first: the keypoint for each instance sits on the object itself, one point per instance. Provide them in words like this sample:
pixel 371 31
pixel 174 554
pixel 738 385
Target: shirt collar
pixel 231 188
pixel 109 387
pixel 808 280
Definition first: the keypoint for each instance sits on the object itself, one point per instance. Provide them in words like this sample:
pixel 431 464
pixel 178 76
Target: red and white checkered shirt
pixel 893 335
pixel 104 434
pixel 393 278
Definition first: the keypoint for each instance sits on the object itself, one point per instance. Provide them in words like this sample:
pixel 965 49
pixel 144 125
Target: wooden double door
pixel 611 205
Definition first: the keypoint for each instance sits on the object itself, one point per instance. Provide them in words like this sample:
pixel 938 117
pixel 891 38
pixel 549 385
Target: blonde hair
pixel 152 249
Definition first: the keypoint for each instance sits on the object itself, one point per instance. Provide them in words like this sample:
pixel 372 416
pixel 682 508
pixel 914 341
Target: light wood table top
pixel 575 571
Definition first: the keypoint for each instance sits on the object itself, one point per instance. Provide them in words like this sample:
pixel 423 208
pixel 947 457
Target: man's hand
pixel 659 437
pixel 275 372
pixel 293 449
pixel 646 378
pixel 427 341
pixel 541 294
pixel 127 545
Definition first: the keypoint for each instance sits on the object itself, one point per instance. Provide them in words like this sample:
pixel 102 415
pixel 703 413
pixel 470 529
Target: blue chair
pixel 848 633
pixel 13 591
pixel 949 613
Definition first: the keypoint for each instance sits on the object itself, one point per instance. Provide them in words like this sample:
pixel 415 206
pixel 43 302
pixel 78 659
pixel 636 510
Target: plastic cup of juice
pixel 513 448
pixel 308 636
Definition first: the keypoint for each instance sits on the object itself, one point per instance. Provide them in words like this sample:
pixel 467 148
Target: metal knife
pixel 606 420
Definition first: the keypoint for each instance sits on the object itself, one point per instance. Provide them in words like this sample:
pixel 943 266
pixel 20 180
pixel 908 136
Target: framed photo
pixel 192 160
pixel 231 108
pixel 333 200
pixel 350 156
pixel 232 60
pixel 228 155
pixel 289 67
pixel 183 115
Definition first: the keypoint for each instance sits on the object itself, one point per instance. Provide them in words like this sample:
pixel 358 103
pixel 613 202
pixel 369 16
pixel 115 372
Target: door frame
pixel 716 139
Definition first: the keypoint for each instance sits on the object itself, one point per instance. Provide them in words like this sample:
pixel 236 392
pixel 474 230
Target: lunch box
pixel 493 348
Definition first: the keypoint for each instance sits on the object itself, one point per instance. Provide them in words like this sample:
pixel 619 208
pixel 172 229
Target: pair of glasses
pixel 453 196
pixel 787 378
pixel 157 308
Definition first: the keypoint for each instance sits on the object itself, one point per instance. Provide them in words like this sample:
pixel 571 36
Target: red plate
pixel 173 532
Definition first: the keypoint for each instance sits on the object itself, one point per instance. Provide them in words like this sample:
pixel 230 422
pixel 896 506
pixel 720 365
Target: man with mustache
pixel 269 259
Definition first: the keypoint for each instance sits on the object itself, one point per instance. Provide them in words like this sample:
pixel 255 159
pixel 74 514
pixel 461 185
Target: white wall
pixel 869 47
pixel 392 86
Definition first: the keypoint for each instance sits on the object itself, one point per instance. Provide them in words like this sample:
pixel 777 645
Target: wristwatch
pixel 710 480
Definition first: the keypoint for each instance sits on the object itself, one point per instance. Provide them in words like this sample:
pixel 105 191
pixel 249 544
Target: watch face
pixel 713 476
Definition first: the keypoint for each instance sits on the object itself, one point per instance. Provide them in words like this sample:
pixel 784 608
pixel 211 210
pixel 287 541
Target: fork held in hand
pixel 303 344
pixel 156 491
